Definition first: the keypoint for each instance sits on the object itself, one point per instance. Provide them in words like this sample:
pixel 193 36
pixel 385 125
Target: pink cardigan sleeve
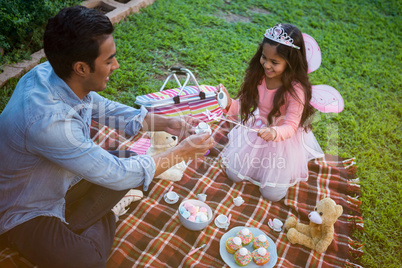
pixel 288 123
pixel 234 108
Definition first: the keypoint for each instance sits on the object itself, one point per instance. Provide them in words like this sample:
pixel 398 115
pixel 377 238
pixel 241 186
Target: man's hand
pixel 195 146
pixel 182 126
pixel 192 147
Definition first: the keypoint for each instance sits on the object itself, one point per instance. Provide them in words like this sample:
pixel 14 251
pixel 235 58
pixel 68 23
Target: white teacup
pixel 202 197
pixel 238 201
pixel 203 127
pixel 222 219
pixel 171 196
pixel 277 224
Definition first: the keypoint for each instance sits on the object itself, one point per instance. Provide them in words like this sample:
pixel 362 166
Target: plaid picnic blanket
pixel 150 234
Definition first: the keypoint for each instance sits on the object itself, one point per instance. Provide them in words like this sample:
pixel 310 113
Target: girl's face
pixel 273 64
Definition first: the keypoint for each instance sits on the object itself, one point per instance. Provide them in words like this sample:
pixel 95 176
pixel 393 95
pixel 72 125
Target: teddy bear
pixel 160 142
pixel 318 235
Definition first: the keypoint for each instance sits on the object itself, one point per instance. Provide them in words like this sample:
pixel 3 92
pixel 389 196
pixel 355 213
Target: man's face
pixel 105 64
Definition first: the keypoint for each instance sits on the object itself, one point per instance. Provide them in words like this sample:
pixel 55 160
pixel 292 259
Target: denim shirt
pixel 45 146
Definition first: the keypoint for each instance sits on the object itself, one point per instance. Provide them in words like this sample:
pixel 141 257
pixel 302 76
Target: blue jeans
pixel 87 239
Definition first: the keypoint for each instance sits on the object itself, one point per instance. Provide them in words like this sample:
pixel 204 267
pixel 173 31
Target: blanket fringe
pixel 354 201
pixel 353 191
pixel 350 166
pixel 355 182
pixel 355 249
pixel 358 223
pixel 349 162
pixel 350 264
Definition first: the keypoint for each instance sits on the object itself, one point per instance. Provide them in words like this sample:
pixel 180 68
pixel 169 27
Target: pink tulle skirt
pixel 273 164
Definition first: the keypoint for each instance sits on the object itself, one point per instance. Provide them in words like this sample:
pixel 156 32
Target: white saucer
pixel 170 201
pixel 220 225
pixel 272 227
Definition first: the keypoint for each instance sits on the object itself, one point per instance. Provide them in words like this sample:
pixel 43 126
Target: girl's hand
pixel 221 88
pixel 267 133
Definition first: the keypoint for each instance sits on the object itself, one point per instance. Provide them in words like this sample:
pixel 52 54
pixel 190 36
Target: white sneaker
pixel 121 207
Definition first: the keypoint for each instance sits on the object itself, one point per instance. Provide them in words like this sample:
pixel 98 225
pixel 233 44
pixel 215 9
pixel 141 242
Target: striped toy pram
pixel 196 100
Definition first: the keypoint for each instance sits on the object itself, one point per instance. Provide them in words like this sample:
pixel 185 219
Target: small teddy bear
pixel 160 142
pixel 318 235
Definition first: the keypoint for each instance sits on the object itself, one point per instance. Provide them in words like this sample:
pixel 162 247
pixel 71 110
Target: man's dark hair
pixel 75 34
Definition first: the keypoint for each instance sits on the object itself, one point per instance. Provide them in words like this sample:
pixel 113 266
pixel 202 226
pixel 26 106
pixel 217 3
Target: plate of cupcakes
pixel 247 247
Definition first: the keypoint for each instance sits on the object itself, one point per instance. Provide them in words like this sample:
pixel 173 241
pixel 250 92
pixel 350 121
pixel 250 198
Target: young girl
pixel 274 102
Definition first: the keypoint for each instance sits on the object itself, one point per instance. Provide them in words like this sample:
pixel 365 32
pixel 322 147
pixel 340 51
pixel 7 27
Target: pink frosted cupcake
pixel 243 257
pixel 260 256
pixel 233 244
pixel 245 235
pixel 260 241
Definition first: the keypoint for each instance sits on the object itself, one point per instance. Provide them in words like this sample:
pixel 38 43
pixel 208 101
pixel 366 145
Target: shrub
pixel 22 25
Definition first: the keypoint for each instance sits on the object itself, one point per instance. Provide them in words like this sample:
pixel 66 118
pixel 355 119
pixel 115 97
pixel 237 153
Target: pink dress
pixel 278 163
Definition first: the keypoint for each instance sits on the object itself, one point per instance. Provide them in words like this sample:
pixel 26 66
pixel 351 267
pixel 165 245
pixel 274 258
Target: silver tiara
pixel 278 34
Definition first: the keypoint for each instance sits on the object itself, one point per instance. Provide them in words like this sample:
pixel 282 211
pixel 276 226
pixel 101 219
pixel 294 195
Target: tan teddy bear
pixel 318 235
pixel 160 142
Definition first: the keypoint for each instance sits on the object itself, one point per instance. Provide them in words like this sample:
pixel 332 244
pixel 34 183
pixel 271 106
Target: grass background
pixel 361 57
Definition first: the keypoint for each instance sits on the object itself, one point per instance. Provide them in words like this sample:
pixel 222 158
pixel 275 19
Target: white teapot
pixel 238 201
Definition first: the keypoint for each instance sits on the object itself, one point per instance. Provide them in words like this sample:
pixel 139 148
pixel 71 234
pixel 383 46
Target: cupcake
pixel 260 242
pixel 245 235
pixel 233 244
pixel 260 256
pixel 243 257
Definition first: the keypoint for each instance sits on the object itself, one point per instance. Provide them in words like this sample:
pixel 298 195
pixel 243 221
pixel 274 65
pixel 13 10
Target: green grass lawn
pixel 361 57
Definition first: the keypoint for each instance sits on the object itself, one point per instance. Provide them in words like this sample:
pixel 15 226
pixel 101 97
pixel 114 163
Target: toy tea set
pixel 195 214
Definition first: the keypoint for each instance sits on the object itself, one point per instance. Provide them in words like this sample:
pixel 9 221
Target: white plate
pixel 170 201
pixel 229 259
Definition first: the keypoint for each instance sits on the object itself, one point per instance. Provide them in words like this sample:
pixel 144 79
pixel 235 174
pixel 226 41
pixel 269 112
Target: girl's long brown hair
pixel 295 72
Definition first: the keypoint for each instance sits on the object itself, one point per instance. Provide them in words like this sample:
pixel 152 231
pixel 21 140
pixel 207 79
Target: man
pixel 58 187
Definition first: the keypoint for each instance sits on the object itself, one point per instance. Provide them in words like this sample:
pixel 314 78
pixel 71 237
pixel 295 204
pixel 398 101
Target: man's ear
pixel 80 68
